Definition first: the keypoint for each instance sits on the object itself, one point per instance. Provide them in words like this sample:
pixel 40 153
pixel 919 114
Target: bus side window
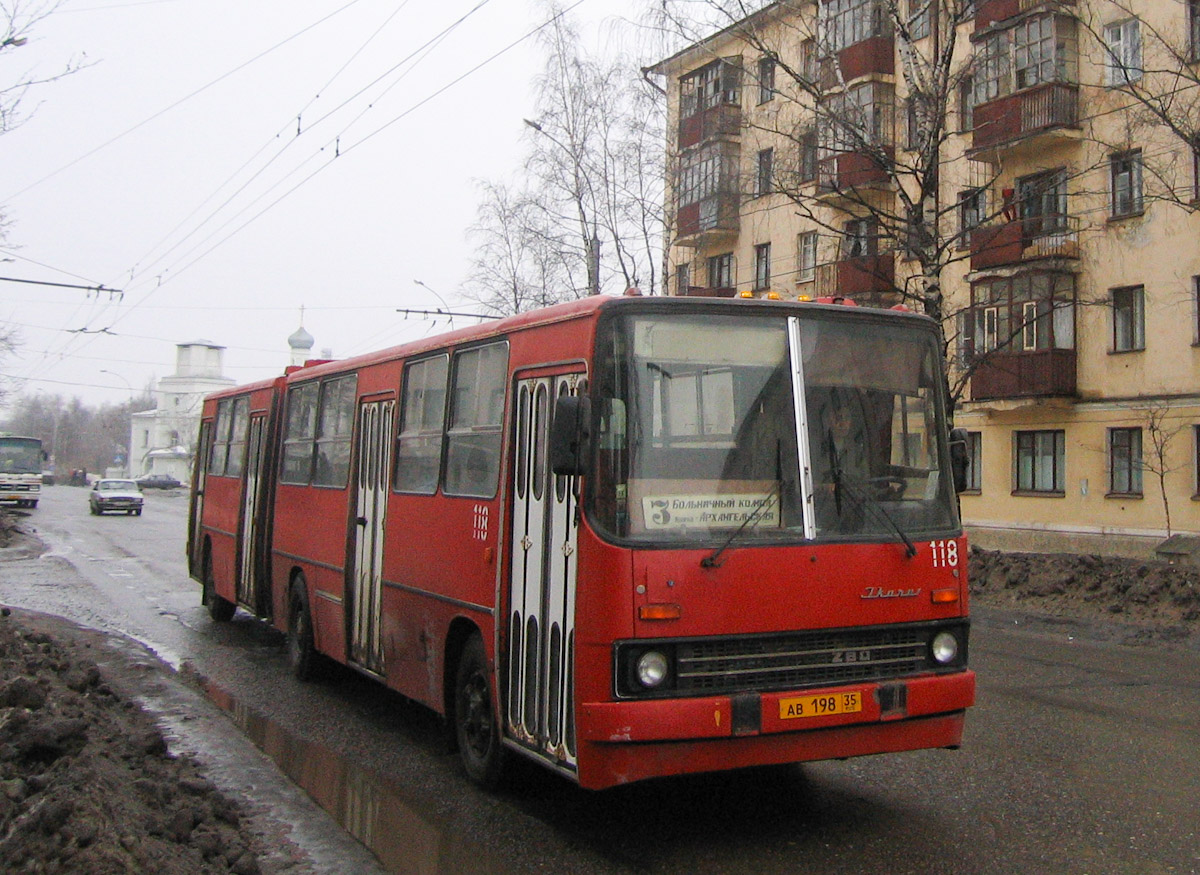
pixel 423 411
pixel 336 425
pixel 474 439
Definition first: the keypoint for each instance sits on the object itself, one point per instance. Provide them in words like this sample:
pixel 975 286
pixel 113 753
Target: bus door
pixel 199 475
pixel 541 615
pixel 249 583
pixel 370 507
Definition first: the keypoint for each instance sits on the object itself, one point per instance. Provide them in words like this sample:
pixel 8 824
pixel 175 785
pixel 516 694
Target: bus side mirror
pixel 959 458
pixel 570 435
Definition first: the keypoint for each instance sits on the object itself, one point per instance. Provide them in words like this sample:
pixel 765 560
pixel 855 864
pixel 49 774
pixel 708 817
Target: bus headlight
pixel 652 669
pixel 944 648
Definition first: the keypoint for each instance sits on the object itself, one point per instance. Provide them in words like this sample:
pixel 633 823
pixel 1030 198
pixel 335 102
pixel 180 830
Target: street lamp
pixel 591 245
pixel 128 385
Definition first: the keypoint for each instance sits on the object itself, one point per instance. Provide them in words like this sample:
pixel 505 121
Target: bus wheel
pixel 475 725
pixel 218 608
pixel 302 652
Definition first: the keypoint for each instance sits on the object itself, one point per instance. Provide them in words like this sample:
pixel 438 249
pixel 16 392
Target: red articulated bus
pixel 626 537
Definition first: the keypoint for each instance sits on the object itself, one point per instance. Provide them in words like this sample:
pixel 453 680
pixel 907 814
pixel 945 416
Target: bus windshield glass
pixel 697 418
pixel 20 455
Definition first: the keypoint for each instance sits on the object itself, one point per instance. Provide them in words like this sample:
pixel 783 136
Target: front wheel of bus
pixel 476 728
pixel 302 651
pixel 219 609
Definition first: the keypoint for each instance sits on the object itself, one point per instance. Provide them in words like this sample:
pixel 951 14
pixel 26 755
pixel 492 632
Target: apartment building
pixel 1025 171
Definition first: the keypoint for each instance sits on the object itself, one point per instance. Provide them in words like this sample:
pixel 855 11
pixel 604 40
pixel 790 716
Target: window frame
pixel 762 266
pixel 425 431
pixel 765 175
pixel 1125 462
pixel 806 256
pixel 470 433
pixel 720 267
pixel 1123 52
pixel 974 463
pixel 1128 319
pixel 1125 184
pixel 766 79
pixel 1026 447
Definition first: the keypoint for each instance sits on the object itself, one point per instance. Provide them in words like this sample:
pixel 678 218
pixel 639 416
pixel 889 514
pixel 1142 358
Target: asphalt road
pixel 1081 756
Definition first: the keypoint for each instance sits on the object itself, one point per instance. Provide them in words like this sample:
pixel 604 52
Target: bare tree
pixel 518 262
pixel 1161 432
pixel 18 19
pixel 593 179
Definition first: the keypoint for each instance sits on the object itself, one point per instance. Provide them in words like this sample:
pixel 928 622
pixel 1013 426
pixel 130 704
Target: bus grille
pixel 806 659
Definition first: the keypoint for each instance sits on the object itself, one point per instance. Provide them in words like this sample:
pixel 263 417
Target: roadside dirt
pixel 88 784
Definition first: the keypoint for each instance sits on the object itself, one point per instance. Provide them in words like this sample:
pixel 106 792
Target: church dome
pixel 301 339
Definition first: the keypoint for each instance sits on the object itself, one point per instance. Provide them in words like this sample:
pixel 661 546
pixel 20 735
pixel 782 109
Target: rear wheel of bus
pixel 219 609
pixel 302 651
pixel 475 727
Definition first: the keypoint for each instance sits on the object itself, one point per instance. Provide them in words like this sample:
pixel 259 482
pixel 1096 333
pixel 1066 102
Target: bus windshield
pixel 698 418
pixel 20 455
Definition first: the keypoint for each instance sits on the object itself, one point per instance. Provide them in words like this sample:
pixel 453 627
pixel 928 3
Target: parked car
pixel 158 481
pixel 115 495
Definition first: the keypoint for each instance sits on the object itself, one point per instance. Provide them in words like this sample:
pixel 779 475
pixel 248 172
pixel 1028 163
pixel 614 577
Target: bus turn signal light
pixel 944 596
pixel 663 611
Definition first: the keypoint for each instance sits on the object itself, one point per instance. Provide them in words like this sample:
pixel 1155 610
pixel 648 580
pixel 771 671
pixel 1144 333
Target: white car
pixel 115 495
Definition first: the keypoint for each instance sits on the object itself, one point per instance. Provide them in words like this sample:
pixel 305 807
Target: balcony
pixel 868 279
pixel 1036 373
pixel 713 219
pixel 847 171
pixel 707 292
pixel 1050 106
pixel 988 12
pixel 1024 240
pixel 873 55
pixel 722 120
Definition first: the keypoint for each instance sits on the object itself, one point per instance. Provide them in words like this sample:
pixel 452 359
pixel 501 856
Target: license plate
pixel 820 706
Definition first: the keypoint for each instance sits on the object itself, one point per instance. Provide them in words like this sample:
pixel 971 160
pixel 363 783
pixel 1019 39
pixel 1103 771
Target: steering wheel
pixel 889 486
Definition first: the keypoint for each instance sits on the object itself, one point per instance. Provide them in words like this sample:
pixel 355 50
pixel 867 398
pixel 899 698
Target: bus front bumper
pixel 632 740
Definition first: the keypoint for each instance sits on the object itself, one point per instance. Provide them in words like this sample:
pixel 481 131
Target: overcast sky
pixel 223 163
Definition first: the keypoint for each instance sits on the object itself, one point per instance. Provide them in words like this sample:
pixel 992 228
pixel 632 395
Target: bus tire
pixel 301 648
pixel 475 726
pixel 219 609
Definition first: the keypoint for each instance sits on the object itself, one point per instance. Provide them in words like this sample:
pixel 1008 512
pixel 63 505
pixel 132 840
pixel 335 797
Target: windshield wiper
pixel 754 517
pixel 866 502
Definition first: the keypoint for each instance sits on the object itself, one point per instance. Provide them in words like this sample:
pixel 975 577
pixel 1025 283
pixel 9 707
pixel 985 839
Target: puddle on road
pixel 367 807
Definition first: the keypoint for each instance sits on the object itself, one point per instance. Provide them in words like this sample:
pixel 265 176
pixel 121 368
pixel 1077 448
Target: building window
pixel 1043 203
pixel 766 79
pixel 991 68
pixel 859 118
pixel 1196 460
pixel 807 163
pixel 1027 312
pixel 706 172
pixel 720 271
pixel 1123 41
pixel 1125 461
pixel 1126 172
pixel 1193 21
pixel 1034 57
pixel 806 256
pixel 1196 310
pixel 1129 319
pixel 1196 167
pixel 1041 461
pixel 918 18
pixel 712 85
pixel 762 266
pixel 765 180
pixel 859 239
pixel 683 279
pixel 966 104
pixel 851 21
pixel 974 461
pixel 972 208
